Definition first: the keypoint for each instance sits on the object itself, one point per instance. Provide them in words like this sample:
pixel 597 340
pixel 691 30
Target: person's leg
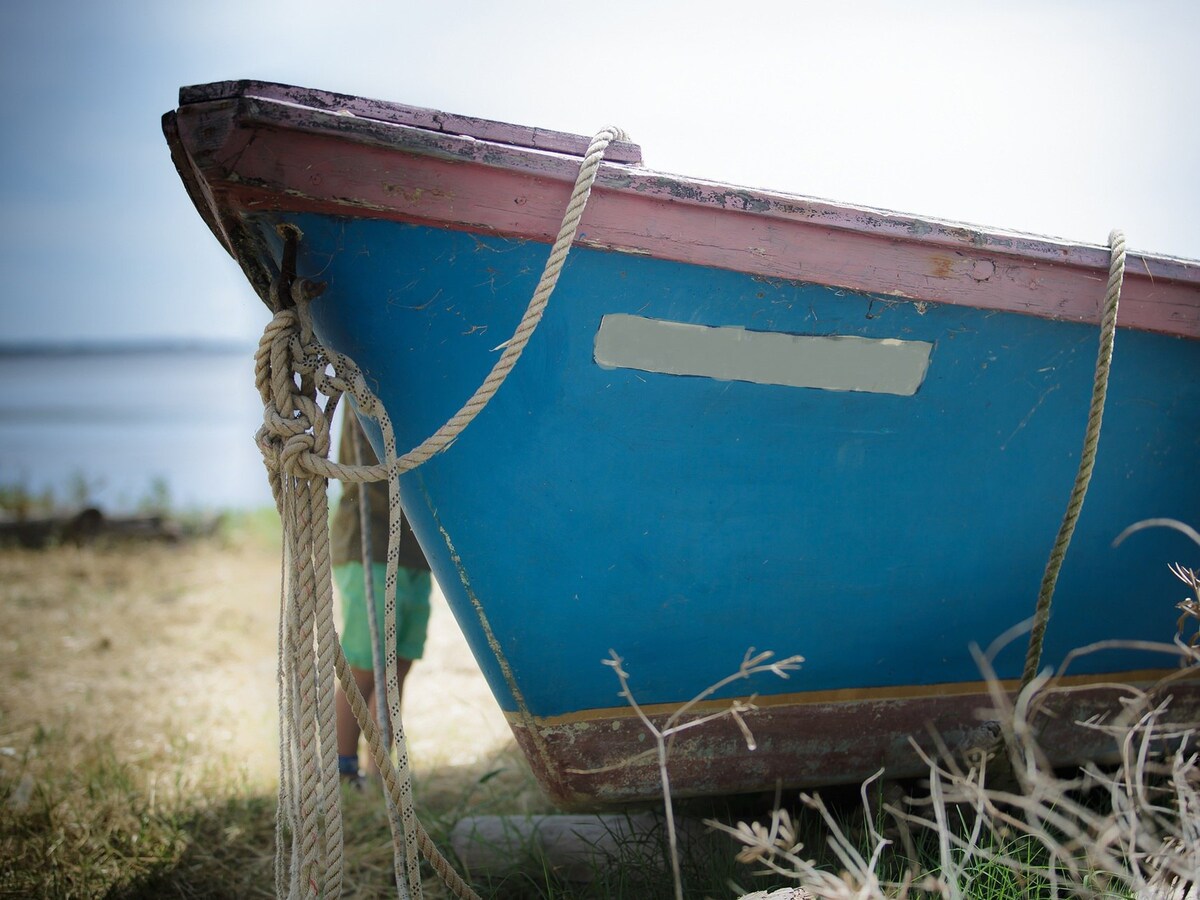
pixel 402 668
pixel 412 608
pixel 347 725
pixel 356 645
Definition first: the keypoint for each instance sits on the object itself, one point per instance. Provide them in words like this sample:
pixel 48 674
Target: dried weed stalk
pixel 664 736
pixel 780 851
pixel 1189 607
pixel 1142 840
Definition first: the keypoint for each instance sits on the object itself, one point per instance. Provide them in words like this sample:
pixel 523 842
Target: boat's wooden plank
pixel 196 187
pixel 401 114
pixel 598 756
pixel 472 185
pixel 703 192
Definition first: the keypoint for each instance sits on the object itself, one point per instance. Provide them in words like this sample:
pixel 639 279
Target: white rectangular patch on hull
pixel 731 353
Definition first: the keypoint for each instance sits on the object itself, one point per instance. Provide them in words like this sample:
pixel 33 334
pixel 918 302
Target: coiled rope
pixel 291 369
pixel 1087 458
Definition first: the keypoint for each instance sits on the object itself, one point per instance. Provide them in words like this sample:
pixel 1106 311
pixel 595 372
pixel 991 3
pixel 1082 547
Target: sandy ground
pixel 170 652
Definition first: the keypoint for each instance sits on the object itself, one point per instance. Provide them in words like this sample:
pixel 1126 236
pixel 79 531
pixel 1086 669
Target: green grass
pixel 100 828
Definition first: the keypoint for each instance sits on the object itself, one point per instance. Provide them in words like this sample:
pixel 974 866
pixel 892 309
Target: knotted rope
pixel 291 369
pixel 1087 458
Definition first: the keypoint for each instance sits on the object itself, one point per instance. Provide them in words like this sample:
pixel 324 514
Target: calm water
pixel 118 421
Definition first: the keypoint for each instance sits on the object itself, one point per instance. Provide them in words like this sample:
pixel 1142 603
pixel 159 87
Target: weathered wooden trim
pixel 197 189
pixel 261 153
pixel 1141 677
pixel 223 218
pixel 603 759
pixel 402 114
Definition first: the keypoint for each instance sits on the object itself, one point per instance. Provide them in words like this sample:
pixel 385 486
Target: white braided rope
pixel 294 441
pixel 348 378
pixel 382 716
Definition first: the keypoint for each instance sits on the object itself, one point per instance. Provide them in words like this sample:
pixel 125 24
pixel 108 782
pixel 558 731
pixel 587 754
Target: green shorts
pixel 412 611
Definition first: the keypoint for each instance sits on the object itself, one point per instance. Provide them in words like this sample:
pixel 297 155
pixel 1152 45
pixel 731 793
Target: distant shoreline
pixel 122 348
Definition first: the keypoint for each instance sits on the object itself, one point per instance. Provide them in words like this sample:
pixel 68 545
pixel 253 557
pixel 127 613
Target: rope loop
pixel 292 371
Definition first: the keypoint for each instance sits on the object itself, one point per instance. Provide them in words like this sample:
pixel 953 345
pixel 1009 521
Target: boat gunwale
pixel 1168 286
pixel 615 173
pixel 390 112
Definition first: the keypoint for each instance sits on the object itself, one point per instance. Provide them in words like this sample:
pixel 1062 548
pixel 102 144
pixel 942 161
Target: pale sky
pixel 1062 118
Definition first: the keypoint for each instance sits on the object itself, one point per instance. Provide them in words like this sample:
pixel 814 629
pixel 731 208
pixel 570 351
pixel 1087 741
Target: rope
pixel 296 427
pixel 1087 458
pixel 301 456
pixel 368 555
pixel 391 783
pixel 378 656
pixel 309 784
pixel 327 641
pixel 294 441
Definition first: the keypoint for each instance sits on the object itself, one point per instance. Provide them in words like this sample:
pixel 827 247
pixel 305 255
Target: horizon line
pixel 106 346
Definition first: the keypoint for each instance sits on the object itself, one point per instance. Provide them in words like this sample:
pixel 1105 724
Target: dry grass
pixel 129 690
pixel 156 648
pixel 138 725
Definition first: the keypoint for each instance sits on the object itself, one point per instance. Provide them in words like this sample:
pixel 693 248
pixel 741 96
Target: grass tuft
pixel 103 828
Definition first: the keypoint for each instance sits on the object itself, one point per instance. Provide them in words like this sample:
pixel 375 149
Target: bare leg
pixel 347 727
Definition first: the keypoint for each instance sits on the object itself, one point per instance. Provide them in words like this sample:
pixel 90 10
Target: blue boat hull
pixel 682 520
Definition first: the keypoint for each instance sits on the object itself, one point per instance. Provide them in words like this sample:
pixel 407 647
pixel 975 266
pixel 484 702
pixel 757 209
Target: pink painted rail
pixel 244 146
